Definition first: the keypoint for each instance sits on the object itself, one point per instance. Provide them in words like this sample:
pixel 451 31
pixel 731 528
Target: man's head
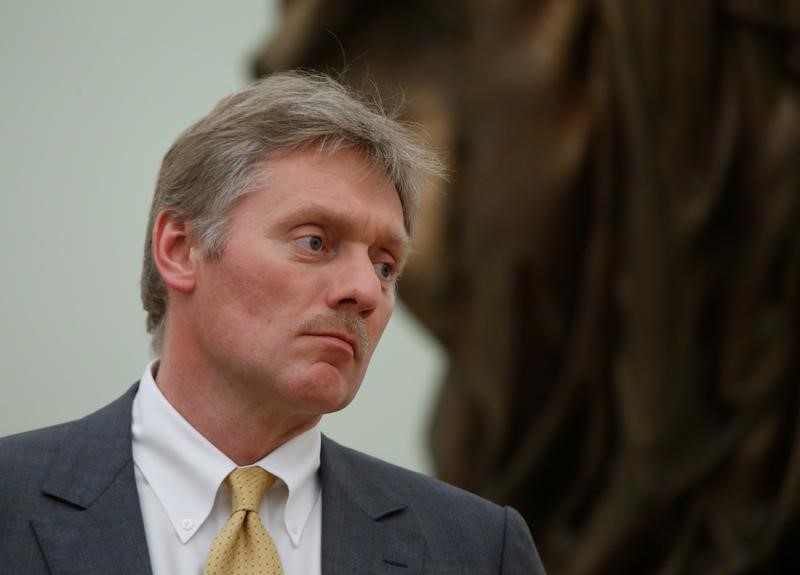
pixel 278 228
pixel 218 160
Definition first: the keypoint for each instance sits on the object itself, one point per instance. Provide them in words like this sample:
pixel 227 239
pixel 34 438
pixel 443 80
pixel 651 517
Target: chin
pixel 327 390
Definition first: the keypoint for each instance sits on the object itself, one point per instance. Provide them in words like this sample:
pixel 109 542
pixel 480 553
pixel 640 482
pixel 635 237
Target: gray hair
pixel 217 160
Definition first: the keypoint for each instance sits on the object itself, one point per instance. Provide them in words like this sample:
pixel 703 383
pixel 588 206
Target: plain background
pixel 94 92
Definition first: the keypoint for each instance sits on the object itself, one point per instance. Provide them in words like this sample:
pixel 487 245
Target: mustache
pixel 353 325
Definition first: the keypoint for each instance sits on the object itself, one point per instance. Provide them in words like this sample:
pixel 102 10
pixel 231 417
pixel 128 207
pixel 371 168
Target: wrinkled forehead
pixel 369 167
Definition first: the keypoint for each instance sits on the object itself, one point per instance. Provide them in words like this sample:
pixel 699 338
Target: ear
pixel 173 252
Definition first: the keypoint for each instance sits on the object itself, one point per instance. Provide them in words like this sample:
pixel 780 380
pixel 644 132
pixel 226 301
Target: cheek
pixel 380 319
pixel 262 290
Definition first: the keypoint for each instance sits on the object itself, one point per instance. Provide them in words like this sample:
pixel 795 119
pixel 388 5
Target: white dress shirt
pixel 179 477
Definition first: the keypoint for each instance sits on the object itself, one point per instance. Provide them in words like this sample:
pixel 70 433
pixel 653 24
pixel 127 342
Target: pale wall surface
pixel 93 94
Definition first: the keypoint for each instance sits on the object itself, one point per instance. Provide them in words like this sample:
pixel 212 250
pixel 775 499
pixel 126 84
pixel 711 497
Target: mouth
pixel 342 339
pixel 342 331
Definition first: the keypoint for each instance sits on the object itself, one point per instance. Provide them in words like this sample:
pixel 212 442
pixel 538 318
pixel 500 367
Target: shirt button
pixel 187 524
pixel 293 527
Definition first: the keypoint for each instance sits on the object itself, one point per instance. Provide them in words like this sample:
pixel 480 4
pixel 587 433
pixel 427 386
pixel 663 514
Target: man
pixel 279 226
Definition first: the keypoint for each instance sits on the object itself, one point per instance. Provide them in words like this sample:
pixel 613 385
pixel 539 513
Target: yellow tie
pixel 243 546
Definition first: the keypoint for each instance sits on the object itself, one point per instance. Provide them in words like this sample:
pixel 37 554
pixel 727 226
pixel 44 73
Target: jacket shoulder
pixel 402 482
pixel 458 526
pixel 26 458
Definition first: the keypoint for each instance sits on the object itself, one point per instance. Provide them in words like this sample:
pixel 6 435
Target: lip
pixel 342 337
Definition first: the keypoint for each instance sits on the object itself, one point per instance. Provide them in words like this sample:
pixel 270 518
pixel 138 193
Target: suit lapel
pixel 94 522
pixel 365 529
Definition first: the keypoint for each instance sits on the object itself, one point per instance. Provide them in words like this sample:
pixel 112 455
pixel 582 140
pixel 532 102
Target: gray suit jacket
pixel 69 505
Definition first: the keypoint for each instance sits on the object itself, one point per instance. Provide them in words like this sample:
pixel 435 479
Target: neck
pixel 242 427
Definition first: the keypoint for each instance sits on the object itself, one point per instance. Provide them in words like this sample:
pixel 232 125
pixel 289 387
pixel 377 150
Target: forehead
pixel 316 159
pixel 343 185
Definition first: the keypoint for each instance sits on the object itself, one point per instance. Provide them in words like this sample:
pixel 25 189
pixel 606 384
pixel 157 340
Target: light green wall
pixel 93 93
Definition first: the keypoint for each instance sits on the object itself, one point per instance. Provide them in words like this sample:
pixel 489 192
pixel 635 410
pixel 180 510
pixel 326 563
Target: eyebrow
pixel 326 214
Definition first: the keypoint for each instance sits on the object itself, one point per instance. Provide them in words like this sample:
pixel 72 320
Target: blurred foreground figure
pixel 278 228
pixel 615 268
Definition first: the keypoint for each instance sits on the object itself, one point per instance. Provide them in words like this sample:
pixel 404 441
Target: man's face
pixel 293 309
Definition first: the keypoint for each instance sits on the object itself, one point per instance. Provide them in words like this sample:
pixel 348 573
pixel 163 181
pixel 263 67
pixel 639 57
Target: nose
pixel 355 284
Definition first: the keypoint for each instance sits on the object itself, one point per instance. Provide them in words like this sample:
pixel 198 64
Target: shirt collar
pixel 185 470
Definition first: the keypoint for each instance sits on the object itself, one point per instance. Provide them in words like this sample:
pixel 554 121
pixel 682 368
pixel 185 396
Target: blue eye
pixel 384 270
pixel 312 243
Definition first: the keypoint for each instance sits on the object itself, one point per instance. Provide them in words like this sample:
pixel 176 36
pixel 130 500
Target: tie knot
pixel 248 485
